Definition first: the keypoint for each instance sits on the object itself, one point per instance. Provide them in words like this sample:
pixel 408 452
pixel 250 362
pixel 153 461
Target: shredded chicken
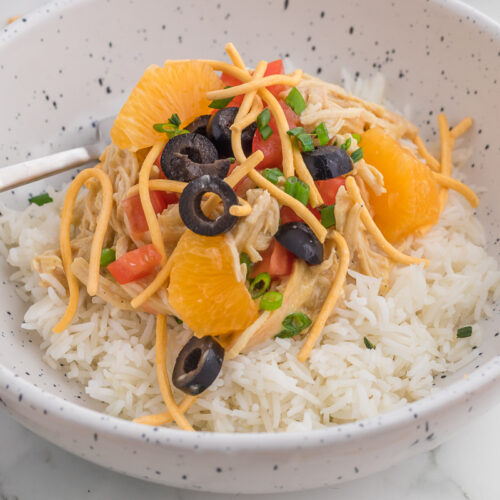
pixel 297 291
pixel 364 258
pixel 253 234
pixel 372 178
pixel 119 295
pixel 341 111
pixel 171 226
pixel 123 167
pixel 49 263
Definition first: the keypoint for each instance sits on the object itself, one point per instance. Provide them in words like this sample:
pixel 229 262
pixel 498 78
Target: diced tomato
pixel 231 81
pixel 136 264
pixel 273 68
pixel 288 215
pixel 271 148
pixel 328 189
pixel 276 260
pixel 170 198
pixel 135 213
pixel 239 188
pixel 158 162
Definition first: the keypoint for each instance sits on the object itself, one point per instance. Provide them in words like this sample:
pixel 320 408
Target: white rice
pixel 413 327
pixel 111 352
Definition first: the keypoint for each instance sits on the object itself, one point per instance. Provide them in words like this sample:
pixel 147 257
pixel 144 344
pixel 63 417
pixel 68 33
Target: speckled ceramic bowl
pixel 73 62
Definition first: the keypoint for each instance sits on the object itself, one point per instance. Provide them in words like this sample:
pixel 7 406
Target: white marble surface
pixel 466 467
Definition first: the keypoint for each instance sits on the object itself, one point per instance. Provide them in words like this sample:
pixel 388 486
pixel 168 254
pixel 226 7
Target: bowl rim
pixel 12 386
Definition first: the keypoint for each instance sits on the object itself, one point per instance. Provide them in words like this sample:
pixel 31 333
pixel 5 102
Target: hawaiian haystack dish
pixel 256 251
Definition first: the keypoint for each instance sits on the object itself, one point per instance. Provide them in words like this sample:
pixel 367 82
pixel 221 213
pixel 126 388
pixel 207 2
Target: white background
pixel 467 467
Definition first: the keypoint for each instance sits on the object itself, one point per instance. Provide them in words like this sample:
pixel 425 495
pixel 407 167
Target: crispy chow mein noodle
pixel 298 235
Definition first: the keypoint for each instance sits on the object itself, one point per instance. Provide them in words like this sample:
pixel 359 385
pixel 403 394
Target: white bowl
pixel 73 62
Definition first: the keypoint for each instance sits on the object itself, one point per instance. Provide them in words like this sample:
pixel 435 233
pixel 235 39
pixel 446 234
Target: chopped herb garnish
pixel 368 344
pixel 295 100
pixel 41 199
pixel 347 144
pixel 322 134
pixel 108 255
pixel 271 301
pixel 178 320
pixel 306 142
pixel 303 137
pixel 328 216
pixel 272 174
pixel 260 285
pixel 171 127
pixel 221 103
pixel 293 324
pixel 245 259
pixel 296 131
pixel 357 155
pixel 298 189
pixel 266 132
pixel 263 124
pixel 175 120
pixel 464 332
pixel 264 118
pixel 357 137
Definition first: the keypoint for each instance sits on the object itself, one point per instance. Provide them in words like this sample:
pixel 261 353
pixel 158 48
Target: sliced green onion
pixel 264 118
pixel 303 137
pixel 357 155
pixel 368 344
pixel 306 142
pixel 41 199
pixel 347 144
pixel 296 131
pixel 357 137
pixel 295 100
pixel 328 216
pixel 293 324
pixel 266 132
pixel 245 259
pixel 175 120
pixel 162 127
pixel 260 285
pixel 108 255
pixel 322 134
pixel 178 320
pixel 221 103
pixel 272 174
pixel 298 189
pixel 170 129
pixel 271 301
pixel 464 332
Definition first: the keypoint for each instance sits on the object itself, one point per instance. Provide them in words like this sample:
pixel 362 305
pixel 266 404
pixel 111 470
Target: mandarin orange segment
pixel 412 197
pixel 177 87
pixel 204 289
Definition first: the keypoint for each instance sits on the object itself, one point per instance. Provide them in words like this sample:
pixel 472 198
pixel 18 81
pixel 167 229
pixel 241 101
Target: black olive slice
pixel 299 238
pixel 327 162
pixel 188 156
pixel 219 132
pixel 197 365
pixel 190 206
pixel 199 125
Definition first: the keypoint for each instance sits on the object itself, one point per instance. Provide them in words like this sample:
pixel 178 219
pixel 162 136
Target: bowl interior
pixel 64 67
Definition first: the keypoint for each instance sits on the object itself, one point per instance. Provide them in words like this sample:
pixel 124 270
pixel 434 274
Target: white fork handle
pixel 29 171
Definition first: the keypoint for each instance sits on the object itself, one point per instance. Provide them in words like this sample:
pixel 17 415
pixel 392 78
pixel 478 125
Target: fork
pixel 25 172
